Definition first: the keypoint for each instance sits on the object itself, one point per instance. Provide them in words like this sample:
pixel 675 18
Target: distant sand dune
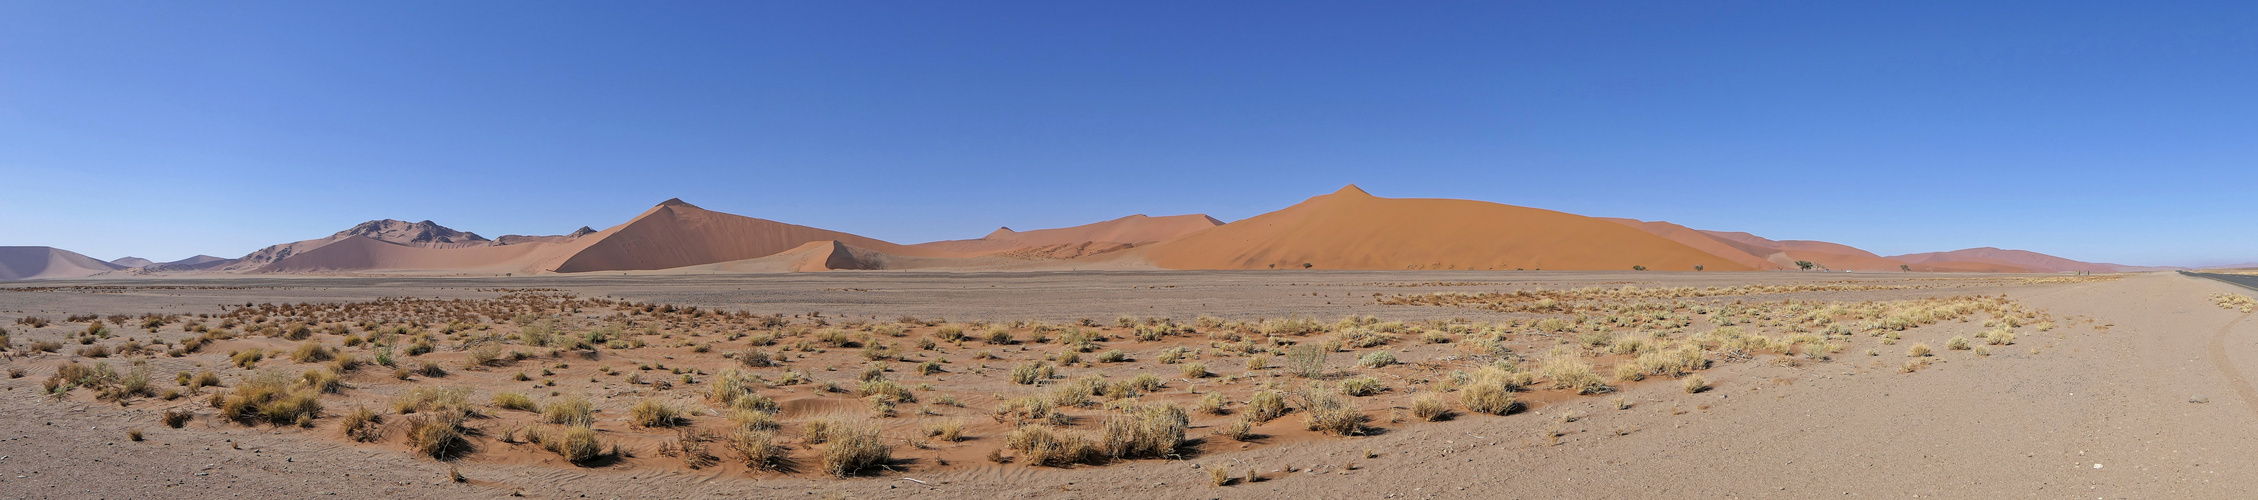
pixel 28 263
pixel 1351 229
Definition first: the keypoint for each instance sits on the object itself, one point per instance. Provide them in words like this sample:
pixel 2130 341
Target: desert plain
pixel 1144 384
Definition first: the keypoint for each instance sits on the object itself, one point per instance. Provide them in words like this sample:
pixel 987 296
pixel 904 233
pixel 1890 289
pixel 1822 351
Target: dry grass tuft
pixel 267 397
pixel 1043 445
pixel 1918 350
pixel 362 425
pixel 1694 384
pixel 1266 405
pixel 572 411
pixel 516 401
pixel 655 413
pixel 1145 431
pixel 1430 407
pixel 177 418
pixel 438 436
pixel 850 448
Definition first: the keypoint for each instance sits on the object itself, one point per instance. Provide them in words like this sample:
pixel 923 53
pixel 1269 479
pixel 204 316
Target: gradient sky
pixel 2119 131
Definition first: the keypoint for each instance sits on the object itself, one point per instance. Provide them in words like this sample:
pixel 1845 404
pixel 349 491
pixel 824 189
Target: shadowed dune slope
pixel 31 263
pixel 678 234
pixel 1126 231
pixel 131 262
pixel 1351 229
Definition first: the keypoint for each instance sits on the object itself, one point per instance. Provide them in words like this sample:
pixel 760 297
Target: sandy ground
pixel 2105 409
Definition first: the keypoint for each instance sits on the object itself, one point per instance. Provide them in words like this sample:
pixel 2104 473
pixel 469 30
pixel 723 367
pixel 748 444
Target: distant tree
pixel 1306 265
pixel 1638 268
pixel 1697 267
pixel 1804 264
pixel 1906 268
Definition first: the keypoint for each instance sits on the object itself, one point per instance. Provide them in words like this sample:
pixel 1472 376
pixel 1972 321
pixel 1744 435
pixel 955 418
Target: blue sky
pixel 2118 131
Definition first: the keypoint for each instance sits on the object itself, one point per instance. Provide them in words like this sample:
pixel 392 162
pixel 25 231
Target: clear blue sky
pixel 2118 131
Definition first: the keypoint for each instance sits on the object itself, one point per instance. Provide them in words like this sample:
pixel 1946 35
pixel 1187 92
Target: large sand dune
pixel 678 234
pixel 1351 229
pixel 30 263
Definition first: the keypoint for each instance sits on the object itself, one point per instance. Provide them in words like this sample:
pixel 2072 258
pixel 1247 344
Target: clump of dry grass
pixel 322 381
pixel 1145 431
pixel 1238 429
pixel 268 397
pixel 1033 372
pixel 438 436
pixel 1918 350
pixel 850 448
pixel 248 358
pixel 655 413
pixel 1362 386
pixel 951 430
pixel 575 443
pixel 1575 374
pixel 1430 407
pixel 454 401
pixel 1043 445
pixel 1958 343
pixel 572 411
pixel 1266 405
pixel 362 425
pixel 1211 404
pixel 177 418
pixel 1219 475
pixel 312 352
pixel 1324 412
pixel 2234 301
pixel 759 449
pixel 1694 384
pixel 516 401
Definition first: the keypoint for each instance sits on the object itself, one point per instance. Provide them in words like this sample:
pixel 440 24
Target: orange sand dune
pixel 2033 261
pixel 32 263
pixel 1132 230
pixel 678 234
pixel 1350 229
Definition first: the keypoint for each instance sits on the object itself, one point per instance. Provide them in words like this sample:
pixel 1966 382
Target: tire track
pixel 2234 377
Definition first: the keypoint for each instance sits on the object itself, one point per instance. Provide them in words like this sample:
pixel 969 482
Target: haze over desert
pixel 1150 250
